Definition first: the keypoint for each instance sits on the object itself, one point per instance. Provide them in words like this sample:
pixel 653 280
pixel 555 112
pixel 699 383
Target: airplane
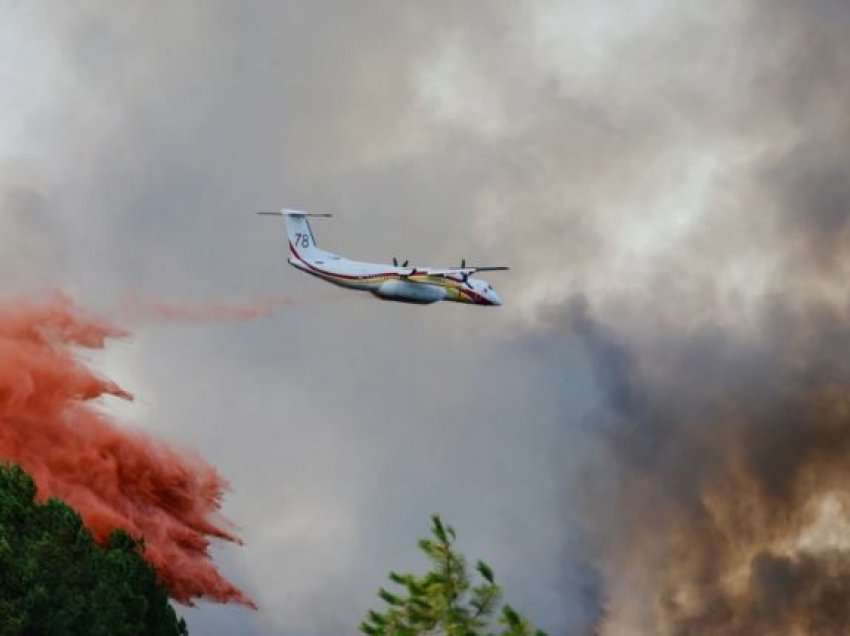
pixel 400 283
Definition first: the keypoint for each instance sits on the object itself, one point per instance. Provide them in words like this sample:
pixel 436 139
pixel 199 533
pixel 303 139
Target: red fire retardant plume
pixel 113 477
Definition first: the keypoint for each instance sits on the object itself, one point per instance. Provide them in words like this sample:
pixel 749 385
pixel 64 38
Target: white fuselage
pixel 390 282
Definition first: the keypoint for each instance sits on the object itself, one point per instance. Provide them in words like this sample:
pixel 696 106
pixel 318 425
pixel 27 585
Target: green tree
pixel 55 580
pixel 444 600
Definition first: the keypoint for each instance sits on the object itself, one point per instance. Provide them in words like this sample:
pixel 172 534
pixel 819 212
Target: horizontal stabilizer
pixel 286 212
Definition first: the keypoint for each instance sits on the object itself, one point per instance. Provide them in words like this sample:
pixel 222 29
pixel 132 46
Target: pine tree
pixel 55 580
pixel 444 600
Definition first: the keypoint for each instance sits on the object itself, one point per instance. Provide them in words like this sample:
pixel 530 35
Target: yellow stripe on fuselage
pixel 454 287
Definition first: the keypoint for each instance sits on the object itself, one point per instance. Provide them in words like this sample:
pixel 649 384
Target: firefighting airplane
pixel 419 285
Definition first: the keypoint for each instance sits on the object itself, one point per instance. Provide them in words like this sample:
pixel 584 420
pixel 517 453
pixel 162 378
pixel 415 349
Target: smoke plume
pixel 728 506
pixel 113 477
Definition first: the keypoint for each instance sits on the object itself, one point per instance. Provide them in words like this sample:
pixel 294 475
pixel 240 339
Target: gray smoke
pixel 669 184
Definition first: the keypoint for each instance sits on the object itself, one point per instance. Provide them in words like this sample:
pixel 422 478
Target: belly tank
pixel 406 292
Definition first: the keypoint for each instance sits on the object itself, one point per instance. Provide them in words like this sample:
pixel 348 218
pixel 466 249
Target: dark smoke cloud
pixel 726 454
pixel 722 503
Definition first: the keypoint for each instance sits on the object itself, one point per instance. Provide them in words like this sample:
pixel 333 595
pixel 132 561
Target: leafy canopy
pixel 444 600
pixel 55 580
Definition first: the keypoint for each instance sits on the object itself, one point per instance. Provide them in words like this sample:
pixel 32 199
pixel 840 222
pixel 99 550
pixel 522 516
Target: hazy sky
pixel 668 182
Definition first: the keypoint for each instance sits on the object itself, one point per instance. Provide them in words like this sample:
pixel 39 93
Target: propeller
pixel 464 275
pixel 404 264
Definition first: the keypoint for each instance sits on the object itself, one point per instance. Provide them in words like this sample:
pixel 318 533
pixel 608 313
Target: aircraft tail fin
pixel 302 241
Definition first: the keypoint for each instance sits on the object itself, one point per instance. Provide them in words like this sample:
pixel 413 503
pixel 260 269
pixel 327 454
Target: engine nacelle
pixel 406 292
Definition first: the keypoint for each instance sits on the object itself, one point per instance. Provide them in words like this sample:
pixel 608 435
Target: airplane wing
pixel 462 271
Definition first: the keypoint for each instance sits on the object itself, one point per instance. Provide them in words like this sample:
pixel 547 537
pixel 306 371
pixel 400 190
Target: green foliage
pixel 55 580
pixel 444 600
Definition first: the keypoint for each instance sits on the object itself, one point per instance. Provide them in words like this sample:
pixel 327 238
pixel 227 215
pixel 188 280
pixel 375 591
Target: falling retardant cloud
pixel 115 478
pixel 148 310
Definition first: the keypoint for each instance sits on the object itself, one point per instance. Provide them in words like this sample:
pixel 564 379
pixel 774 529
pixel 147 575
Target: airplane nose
pixel 494 298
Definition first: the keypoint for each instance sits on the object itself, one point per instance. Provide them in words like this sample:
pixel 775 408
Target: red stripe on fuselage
pixel 346 276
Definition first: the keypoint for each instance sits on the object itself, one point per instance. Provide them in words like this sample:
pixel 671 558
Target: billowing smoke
pixel 719 499
pixel 728 503
pixel 115 478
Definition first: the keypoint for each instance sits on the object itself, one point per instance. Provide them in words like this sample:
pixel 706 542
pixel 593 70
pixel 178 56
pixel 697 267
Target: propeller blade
pixel 405 263
pixel 395 261
pixel 463 263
